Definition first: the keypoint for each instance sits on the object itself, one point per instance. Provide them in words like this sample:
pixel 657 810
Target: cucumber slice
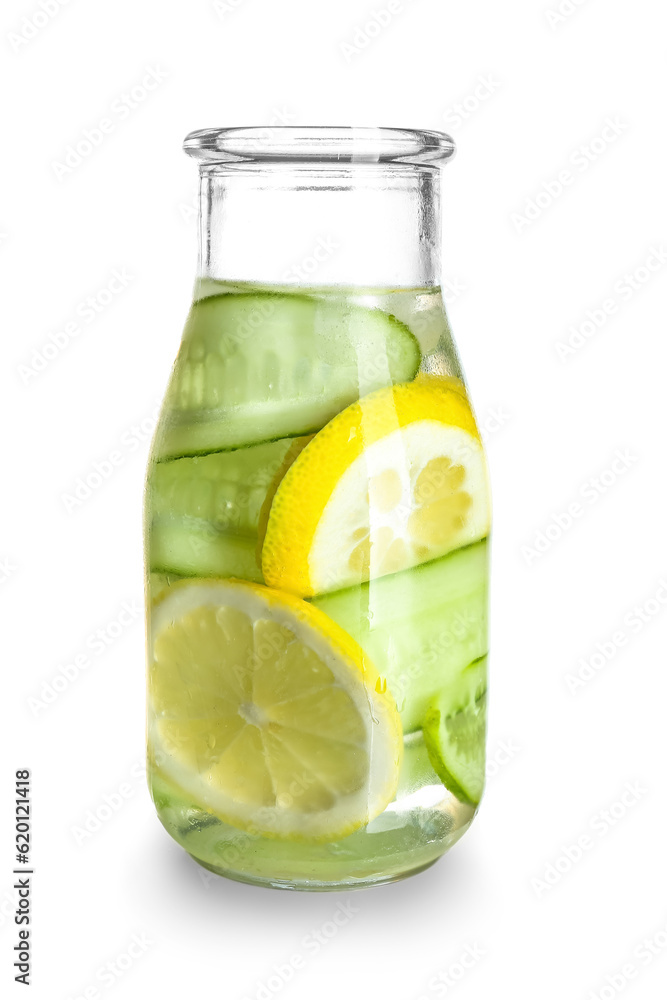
pixel 205 510
pixel 256 367
pixel 456 745
pixel 192 548
pixel 421 628
pixel 225 489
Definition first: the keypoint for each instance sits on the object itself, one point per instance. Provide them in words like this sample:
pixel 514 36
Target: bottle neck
pixel 353 225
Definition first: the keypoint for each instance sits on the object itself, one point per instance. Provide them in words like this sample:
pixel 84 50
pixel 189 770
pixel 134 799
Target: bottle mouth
pixel 296 145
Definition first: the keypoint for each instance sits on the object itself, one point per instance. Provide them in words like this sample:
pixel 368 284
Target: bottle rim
pixel 292 144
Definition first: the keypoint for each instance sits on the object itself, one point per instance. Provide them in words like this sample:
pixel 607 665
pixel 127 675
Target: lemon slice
pixel 268 713
pixel 396 479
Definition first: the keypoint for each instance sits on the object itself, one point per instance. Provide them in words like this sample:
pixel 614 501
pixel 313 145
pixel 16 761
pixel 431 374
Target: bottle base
pixel 314 884
pixel 406 839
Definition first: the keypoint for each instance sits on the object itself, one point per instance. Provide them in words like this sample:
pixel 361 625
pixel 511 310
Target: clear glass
pixel 317 516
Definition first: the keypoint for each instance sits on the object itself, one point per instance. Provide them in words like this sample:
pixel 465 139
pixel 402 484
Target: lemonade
pixel 317 513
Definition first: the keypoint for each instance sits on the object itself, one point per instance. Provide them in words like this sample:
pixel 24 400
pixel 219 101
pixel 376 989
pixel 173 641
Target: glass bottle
pixel 317 515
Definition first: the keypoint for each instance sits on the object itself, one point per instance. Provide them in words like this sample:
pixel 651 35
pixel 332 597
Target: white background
pixel 517 288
